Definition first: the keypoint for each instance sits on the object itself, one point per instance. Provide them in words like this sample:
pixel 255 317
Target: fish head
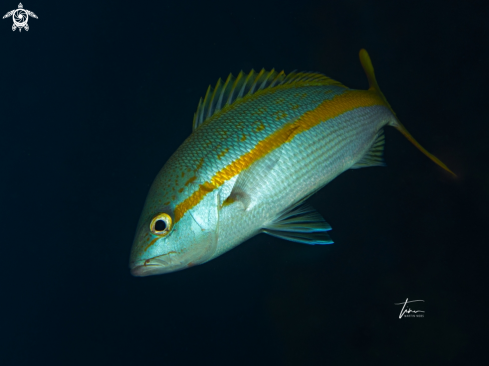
pixel 167 241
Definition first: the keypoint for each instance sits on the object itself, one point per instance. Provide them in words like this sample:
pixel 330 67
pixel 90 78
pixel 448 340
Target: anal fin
pixel 300 223
pixel 373 157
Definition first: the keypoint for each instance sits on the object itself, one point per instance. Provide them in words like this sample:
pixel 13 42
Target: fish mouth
pixel 143 271
pixel 162 264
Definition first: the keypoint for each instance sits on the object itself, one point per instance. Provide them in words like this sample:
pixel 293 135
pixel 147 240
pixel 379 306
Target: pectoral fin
pixel 250 183
pixel 300 223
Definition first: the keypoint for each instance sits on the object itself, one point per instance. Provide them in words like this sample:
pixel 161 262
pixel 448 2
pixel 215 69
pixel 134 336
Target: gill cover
pixel 206 215
pixel 190 241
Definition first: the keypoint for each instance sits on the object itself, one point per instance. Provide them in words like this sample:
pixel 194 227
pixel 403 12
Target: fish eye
pixel 161 224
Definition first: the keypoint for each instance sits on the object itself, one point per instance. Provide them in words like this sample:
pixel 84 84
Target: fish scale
pixel 262 143
pixel 312 161
pixel 213 138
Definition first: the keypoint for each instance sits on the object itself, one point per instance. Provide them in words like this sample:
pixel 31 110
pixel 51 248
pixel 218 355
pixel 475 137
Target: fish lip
pixel 145 268
pixel 156 265
pixel 142 270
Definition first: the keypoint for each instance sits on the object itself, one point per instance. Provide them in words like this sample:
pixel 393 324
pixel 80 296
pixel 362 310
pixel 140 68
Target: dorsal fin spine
pixel 201 112
pixel 211 101
pixel 223 90
pixel 250 75
pixel 277 78
pixel 289 77
pixel 255 82
pixel 233 88
pixel 265 80
pixel 196 116
pixel 224 94
pixel 206 102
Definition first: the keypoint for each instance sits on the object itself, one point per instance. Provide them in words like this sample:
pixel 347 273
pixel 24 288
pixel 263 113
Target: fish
pixel 261 144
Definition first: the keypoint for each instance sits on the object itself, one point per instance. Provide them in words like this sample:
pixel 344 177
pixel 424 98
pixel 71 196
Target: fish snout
pixel 156 265
pixel 141 271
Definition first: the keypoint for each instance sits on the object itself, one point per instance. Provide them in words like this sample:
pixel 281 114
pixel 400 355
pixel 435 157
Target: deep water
pixel 96 96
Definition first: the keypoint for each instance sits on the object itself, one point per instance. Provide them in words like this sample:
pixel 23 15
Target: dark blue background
pixel 96 96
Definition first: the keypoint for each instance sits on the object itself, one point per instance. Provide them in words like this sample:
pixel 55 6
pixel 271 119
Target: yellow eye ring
pixel 161 224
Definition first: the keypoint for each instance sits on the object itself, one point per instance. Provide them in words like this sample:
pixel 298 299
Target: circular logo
pixel 20 18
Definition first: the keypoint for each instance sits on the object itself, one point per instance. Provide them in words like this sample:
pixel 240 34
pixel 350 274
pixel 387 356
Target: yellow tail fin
pixel 369 70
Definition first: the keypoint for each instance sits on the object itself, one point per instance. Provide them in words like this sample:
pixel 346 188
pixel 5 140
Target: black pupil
pixel 160 225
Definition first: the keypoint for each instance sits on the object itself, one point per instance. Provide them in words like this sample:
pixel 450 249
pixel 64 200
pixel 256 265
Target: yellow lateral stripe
pixel 328 109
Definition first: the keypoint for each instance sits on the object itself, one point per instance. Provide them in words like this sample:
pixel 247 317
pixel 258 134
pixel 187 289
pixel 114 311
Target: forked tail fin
pixel 369 70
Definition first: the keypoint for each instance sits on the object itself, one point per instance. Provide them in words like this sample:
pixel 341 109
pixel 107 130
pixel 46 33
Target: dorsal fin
pixel 225 94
